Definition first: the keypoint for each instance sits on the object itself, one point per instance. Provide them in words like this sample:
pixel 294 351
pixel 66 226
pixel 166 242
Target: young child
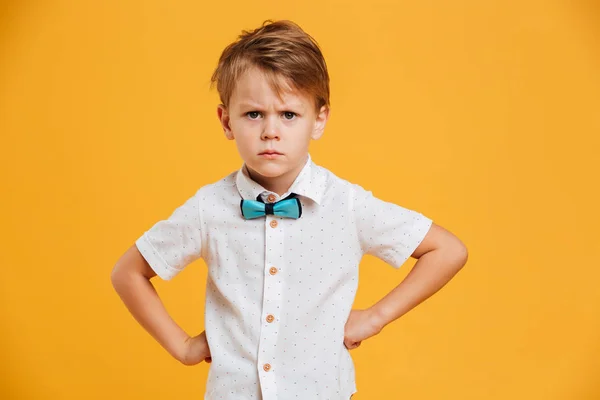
pixel 282 239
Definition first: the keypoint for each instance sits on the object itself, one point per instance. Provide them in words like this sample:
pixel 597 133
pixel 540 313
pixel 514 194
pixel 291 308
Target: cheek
pixel 303 133
pixel 246 128
pixel 235 125
pixel 245 139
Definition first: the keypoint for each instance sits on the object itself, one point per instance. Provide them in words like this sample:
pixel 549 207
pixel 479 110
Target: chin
pixel 269 170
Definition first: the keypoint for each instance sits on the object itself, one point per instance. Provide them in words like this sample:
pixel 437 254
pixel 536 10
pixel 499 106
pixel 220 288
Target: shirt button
pixel 270 318
pixel 267 367
pixel 272 270
pixel 271 198
pixel 273 223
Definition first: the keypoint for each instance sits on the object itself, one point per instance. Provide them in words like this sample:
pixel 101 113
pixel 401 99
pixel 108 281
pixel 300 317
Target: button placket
pixel 274 259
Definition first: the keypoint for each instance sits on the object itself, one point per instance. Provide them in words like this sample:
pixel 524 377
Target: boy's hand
pixel 196 350
pixel 361 325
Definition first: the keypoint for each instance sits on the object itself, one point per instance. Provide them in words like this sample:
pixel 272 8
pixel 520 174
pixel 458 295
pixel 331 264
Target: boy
pixel 282 239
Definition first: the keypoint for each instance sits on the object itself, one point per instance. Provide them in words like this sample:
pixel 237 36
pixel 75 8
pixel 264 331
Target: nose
pixel 270 129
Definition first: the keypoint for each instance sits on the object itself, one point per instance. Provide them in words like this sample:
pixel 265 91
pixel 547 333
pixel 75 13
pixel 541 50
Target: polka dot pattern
pixel 278 297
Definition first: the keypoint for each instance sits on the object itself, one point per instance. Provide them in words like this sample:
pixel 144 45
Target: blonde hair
pixel 280 49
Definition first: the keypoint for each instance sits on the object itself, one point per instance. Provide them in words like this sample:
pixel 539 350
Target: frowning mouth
pixel 270 155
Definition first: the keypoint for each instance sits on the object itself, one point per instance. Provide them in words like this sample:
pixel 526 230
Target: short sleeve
pixel 171 244
pixel 386 230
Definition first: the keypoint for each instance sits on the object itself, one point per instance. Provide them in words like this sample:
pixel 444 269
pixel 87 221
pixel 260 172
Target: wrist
pixel 378 318
pixel 179 349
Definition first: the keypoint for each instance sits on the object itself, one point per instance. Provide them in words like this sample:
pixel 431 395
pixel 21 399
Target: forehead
pixel 256 87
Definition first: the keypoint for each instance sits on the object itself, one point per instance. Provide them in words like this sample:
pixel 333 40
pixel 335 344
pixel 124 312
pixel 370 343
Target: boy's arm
pixel 131 279
pixel 440 256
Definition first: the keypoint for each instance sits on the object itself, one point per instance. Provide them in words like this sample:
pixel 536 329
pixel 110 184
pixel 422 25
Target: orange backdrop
pixel 484 116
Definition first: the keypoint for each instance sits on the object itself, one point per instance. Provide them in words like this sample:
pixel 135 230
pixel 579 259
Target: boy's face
pixel 258 120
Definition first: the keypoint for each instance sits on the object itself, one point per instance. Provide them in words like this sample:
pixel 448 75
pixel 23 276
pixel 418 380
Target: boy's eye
pixel 289 115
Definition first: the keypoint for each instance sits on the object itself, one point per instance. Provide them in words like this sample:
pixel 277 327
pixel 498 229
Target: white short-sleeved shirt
pixel 279 290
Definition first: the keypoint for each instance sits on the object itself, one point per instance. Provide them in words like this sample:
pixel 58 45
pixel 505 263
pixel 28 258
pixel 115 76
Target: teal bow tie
pixel 289 207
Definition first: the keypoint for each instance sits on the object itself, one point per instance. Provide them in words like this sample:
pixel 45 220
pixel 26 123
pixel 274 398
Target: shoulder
pixel 339 190
pixel 339 186
pixel 217 189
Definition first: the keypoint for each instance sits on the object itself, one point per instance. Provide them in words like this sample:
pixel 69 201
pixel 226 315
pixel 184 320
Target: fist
pixel 196 350
pixel 361 324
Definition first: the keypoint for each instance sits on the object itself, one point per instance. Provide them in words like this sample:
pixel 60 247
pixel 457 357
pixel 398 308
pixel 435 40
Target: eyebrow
pixel 284 107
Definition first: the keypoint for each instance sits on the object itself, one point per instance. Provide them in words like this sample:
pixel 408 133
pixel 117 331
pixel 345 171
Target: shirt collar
pixel 309 183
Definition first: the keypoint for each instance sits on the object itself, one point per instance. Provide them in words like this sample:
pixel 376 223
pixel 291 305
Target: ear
pixel 223 115
pixel 320 122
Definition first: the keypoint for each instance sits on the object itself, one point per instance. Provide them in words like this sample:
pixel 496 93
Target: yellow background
pixel 483 115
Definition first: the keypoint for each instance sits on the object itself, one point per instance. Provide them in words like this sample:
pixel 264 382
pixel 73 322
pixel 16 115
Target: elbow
pixel 115 276
pixel 461 254
pixel 455 253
